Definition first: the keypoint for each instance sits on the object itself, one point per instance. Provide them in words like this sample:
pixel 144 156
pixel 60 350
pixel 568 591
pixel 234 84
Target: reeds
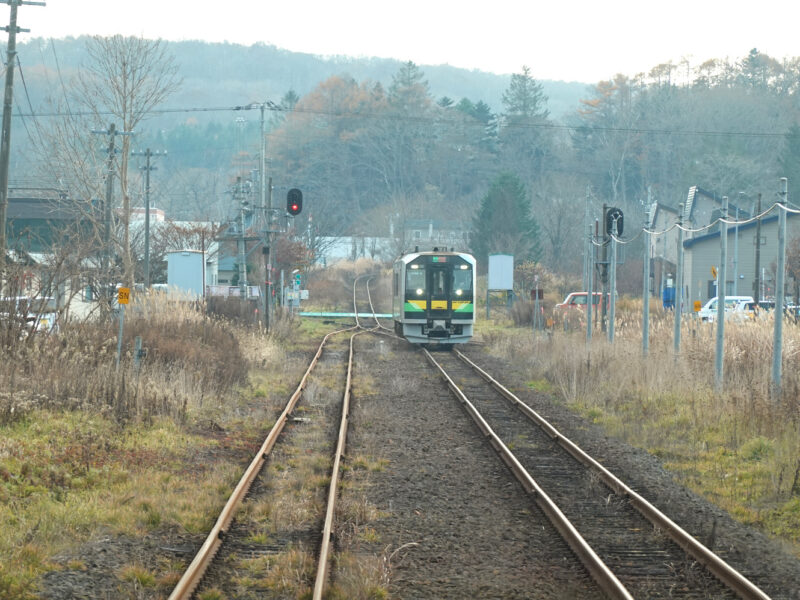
pixel 669 405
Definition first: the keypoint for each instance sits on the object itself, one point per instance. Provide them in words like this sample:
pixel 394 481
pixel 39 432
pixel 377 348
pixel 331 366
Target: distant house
pixel 702 247
pixel 37 227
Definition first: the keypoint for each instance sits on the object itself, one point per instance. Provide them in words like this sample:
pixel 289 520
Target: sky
pixel 569 40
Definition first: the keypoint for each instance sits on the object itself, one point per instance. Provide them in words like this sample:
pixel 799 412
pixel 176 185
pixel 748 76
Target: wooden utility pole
pixel 5 136
pixel 147 168
pixel 105 263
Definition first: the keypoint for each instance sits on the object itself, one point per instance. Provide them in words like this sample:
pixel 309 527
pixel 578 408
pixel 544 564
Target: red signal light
pixel 294 202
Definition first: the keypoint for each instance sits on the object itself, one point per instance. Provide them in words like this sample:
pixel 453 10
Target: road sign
pixel 713 271
pixel 123 295
pixel 697 305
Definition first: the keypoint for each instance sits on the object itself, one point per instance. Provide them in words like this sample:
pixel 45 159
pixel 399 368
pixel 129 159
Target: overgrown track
pixel 223 530
pixel 648 554
pixel 234 536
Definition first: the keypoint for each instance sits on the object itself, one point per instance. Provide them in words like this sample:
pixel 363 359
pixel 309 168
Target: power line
pixel 438 120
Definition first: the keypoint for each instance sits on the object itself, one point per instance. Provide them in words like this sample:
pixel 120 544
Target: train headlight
pixel 459 292
pixel 419 291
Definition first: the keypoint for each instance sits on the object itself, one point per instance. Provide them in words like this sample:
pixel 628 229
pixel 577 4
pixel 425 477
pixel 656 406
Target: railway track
pixel 630 548
pixel 229 539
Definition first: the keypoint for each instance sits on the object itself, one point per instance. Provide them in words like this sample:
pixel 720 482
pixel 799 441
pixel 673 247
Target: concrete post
pixel 678 287
pixel 722 273
pixel 777 344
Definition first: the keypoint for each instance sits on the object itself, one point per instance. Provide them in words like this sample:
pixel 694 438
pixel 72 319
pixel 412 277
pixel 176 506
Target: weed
pixel 138 575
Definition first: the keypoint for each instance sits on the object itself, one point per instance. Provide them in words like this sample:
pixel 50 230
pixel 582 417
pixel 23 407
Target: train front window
pixel 462 283
pixel 415 282
pixel 439 284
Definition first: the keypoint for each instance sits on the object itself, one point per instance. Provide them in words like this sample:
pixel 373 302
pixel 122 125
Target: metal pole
pixel 613 283
pixel 105 265
pixel 736 248
pixel 777 344
pixel 721 278
pixel 119 338
pixel 262 180
pixel 678 287
pixel 148 154
pixel 272 256
pixel 587 243
pixel 604 273
pixel 758 279
pixel 590 289
pixel 646 292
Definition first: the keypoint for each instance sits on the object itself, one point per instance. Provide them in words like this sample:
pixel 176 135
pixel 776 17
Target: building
pixel 48 237
pixel 702 251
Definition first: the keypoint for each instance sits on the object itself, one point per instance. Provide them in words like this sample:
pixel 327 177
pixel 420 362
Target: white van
pixel 709 311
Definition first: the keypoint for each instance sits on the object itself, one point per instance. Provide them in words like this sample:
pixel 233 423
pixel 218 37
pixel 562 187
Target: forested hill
pixel 225 74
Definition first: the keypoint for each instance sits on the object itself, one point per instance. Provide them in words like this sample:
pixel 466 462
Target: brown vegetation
pixel 739 448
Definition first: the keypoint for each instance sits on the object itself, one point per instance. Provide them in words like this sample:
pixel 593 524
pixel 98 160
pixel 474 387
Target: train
pixel 433 297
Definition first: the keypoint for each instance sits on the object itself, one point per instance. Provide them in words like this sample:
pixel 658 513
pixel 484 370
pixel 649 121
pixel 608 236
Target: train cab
pixel 433 297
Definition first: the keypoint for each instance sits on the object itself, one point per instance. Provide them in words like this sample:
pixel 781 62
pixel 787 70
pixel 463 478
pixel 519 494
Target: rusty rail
pixel 197 569
pixel 323 561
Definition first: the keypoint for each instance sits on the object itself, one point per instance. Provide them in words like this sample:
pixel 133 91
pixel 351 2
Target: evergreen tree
pixel 504 223
pixel 523 140
pixel 524 100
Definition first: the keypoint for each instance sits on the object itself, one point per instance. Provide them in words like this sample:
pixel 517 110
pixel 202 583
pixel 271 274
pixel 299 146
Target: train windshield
pixel 439 284
pixel 415 282
pixel 462 282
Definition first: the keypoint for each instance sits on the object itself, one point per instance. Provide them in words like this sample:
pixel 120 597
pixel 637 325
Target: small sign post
pixel 123 297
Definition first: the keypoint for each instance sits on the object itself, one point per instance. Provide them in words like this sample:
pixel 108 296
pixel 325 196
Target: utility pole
pixel 265 197
pixel 147 168
pixel 238 195
pixel 112 133
pixel 5 136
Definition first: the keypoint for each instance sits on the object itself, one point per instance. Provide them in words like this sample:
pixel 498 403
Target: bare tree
pixel 126 77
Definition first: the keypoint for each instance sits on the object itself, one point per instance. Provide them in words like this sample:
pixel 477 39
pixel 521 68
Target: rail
pixel 737 582
pixel 596 567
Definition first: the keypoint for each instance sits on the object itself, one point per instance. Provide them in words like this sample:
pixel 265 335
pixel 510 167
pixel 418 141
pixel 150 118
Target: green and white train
pixel 433 297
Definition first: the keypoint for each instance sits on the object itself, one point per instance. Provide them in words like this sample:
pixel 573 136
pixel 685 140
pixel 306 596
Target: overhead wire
pixel 714 223
pixel 435 119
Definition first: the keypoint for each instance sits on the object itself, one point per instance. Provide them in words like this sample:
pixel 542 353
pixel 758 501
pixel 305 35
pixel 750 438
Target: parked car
pixel 38 314
pixel 577 301
pixel 709 311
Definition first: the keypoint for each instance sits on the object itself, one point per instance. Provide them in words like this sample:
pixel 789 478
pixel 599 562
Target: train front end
pixel 433 300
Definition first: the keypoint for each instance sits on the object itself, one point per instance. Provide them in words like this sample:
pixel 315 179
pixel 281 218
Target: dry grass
pixel 86 450
pixel 739 448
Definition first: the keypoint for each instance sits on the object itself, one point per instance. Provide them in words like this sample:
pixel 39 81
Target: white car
pixel 709 311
